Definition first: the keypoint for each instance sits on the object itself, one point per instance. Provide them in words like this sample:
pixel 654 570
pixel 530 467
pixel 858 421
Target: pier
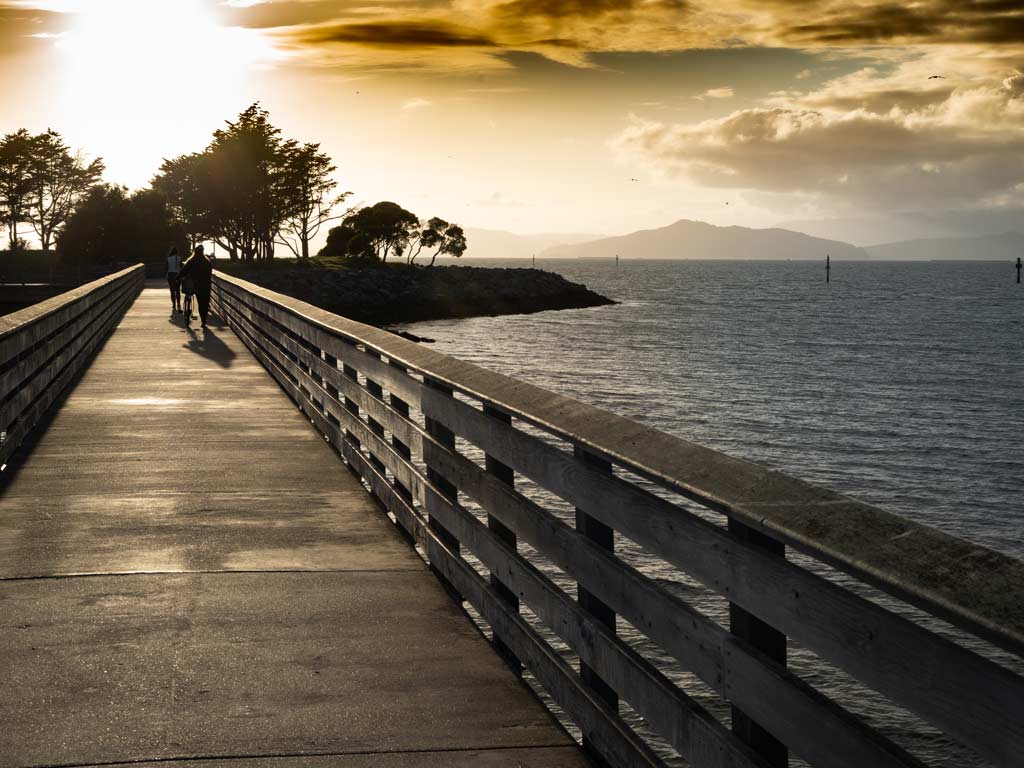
pixel 303 540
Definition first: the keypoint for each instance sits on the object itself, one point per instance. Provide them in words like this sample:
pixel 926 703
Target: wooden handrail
pixel 381 375
pixel 44 346
pixel 969 585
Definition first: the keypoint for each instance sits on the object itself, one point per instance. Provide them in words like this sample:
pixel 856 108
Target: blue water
pixel 901 384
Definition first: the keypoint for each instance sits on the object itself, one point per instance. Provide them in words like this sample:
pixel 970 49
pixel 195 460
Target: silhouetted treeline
pixel 41 182
pixel 385 229
pixel 112 224
pixel 250 191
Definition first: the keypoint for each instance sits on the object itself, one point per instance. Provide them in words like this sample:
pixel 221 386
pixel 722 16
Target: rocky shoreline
pixel 402 294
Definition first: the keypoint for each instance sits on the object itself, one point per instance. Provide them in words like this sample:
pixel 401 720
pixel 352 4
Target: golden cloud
pixel 858 139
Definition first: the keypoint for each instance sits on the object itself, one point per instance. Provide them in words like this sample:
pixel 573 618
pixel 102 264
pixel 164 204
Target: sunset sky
pixel 598 116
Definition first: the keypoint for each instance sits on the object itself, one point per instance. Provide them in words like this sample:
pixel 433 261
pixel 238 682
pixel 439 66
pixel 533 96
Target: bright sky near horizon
pixel 596 116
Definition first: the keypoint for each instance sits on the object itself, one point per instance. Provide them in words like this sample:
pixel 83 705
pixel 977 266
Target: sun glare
pixel 141 74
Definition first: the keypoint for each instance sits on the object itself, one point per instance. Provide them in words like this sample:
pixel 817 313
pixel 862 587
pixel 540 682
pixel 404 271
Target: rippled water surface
pixel 899 383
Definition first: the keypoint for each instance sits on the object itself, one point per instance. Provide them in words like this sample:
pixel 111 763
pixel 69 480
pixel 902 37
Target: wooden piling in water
pixel 828 267
pixel 1018 270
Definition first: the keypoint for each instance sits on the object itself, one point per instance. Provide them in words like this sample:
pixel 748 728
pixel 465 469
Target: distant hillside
pixel 696 240
pixel 495 244
pixel 887 228
pixel 1004 247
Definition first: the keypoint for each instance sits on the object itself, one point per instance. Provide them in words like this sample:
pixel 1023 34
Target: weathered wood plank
pixel 21 330
pixel 503 474
pixel 23 367
pixel 611 736
pixel 969 585
pixel 54 342
pixel 56 354
pixel 915 667
pixel 698 643
pixel 684 724
pixel 54 386
pixel 766 639
pixel 602 536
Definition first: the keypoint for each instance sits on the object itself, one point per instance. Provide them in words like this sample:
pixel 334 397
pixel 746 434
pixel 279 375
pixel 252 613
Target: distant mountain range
pixel 697 240
pixel 885 228
pixel 495 244
pixel 687 239
pixel 1005 247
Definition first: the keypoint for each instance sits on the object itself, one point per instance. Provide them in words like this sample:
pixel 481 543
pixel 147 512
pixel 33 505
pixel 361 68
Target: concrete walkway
pixel 187 573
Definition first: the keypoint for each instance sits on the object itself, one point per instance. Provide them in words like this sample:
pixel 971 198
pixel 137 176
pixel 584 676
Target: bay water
pixel 901 384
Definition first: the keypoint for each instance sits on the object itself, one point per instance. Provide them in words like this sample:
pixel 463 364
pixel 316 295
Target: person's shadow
pixel 177 319
pixel 207 343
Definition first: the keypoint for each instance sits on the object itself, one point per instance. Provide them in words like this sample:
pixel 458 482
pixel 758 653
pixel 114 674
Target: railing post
pixel 314 373
pixel 766 639
pixel 402 409
pixel 376 427
pixel 332 390
pixel 351 405
pixel 505 474
pixel 604 537
pixel 446 438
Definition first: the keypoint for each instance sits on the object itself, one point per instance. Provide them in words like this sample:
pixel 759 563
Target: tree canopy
pixel 311 190
pixel 445 238
pixel 385 229
pixel 112 225
pixel 251 189
pixel 41 181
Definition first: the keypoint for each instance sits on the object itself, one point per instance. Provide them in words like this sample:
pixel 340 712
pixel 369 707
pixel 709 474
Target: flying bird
pixel 634 179
pixel 936 77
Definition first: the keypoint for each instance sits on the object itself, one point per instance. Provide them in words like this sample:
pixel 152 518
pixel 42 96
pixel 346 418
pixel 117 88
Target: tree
pixel 427 237
pixel 110 225
pixel 243 174
pixel 384 228
pixel 251 189
pixel 310 189
pixel 182 181
pixel 348 243
pixel 439 234
pixel 15 181
pixel 58 181
pixel 448 239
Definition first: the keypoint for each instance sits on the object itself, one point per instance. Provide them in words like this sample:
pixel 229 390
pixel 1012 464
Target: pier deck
pixel 188 573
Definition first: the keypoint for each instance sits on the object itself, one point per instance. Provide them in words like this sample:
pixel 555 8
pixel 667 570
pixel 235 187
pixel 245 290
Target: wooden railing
pixel 398 413
pixel 44 346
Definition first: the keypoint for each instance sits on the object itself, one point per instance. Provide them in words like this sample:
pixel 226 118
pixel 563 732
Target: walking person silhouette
pixel 173 270
pixel 200 269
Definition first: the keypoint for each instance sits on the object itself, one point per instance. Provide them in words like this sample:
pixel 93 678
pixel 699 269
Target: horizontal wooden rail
pixel 357 385
pixel 44 346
